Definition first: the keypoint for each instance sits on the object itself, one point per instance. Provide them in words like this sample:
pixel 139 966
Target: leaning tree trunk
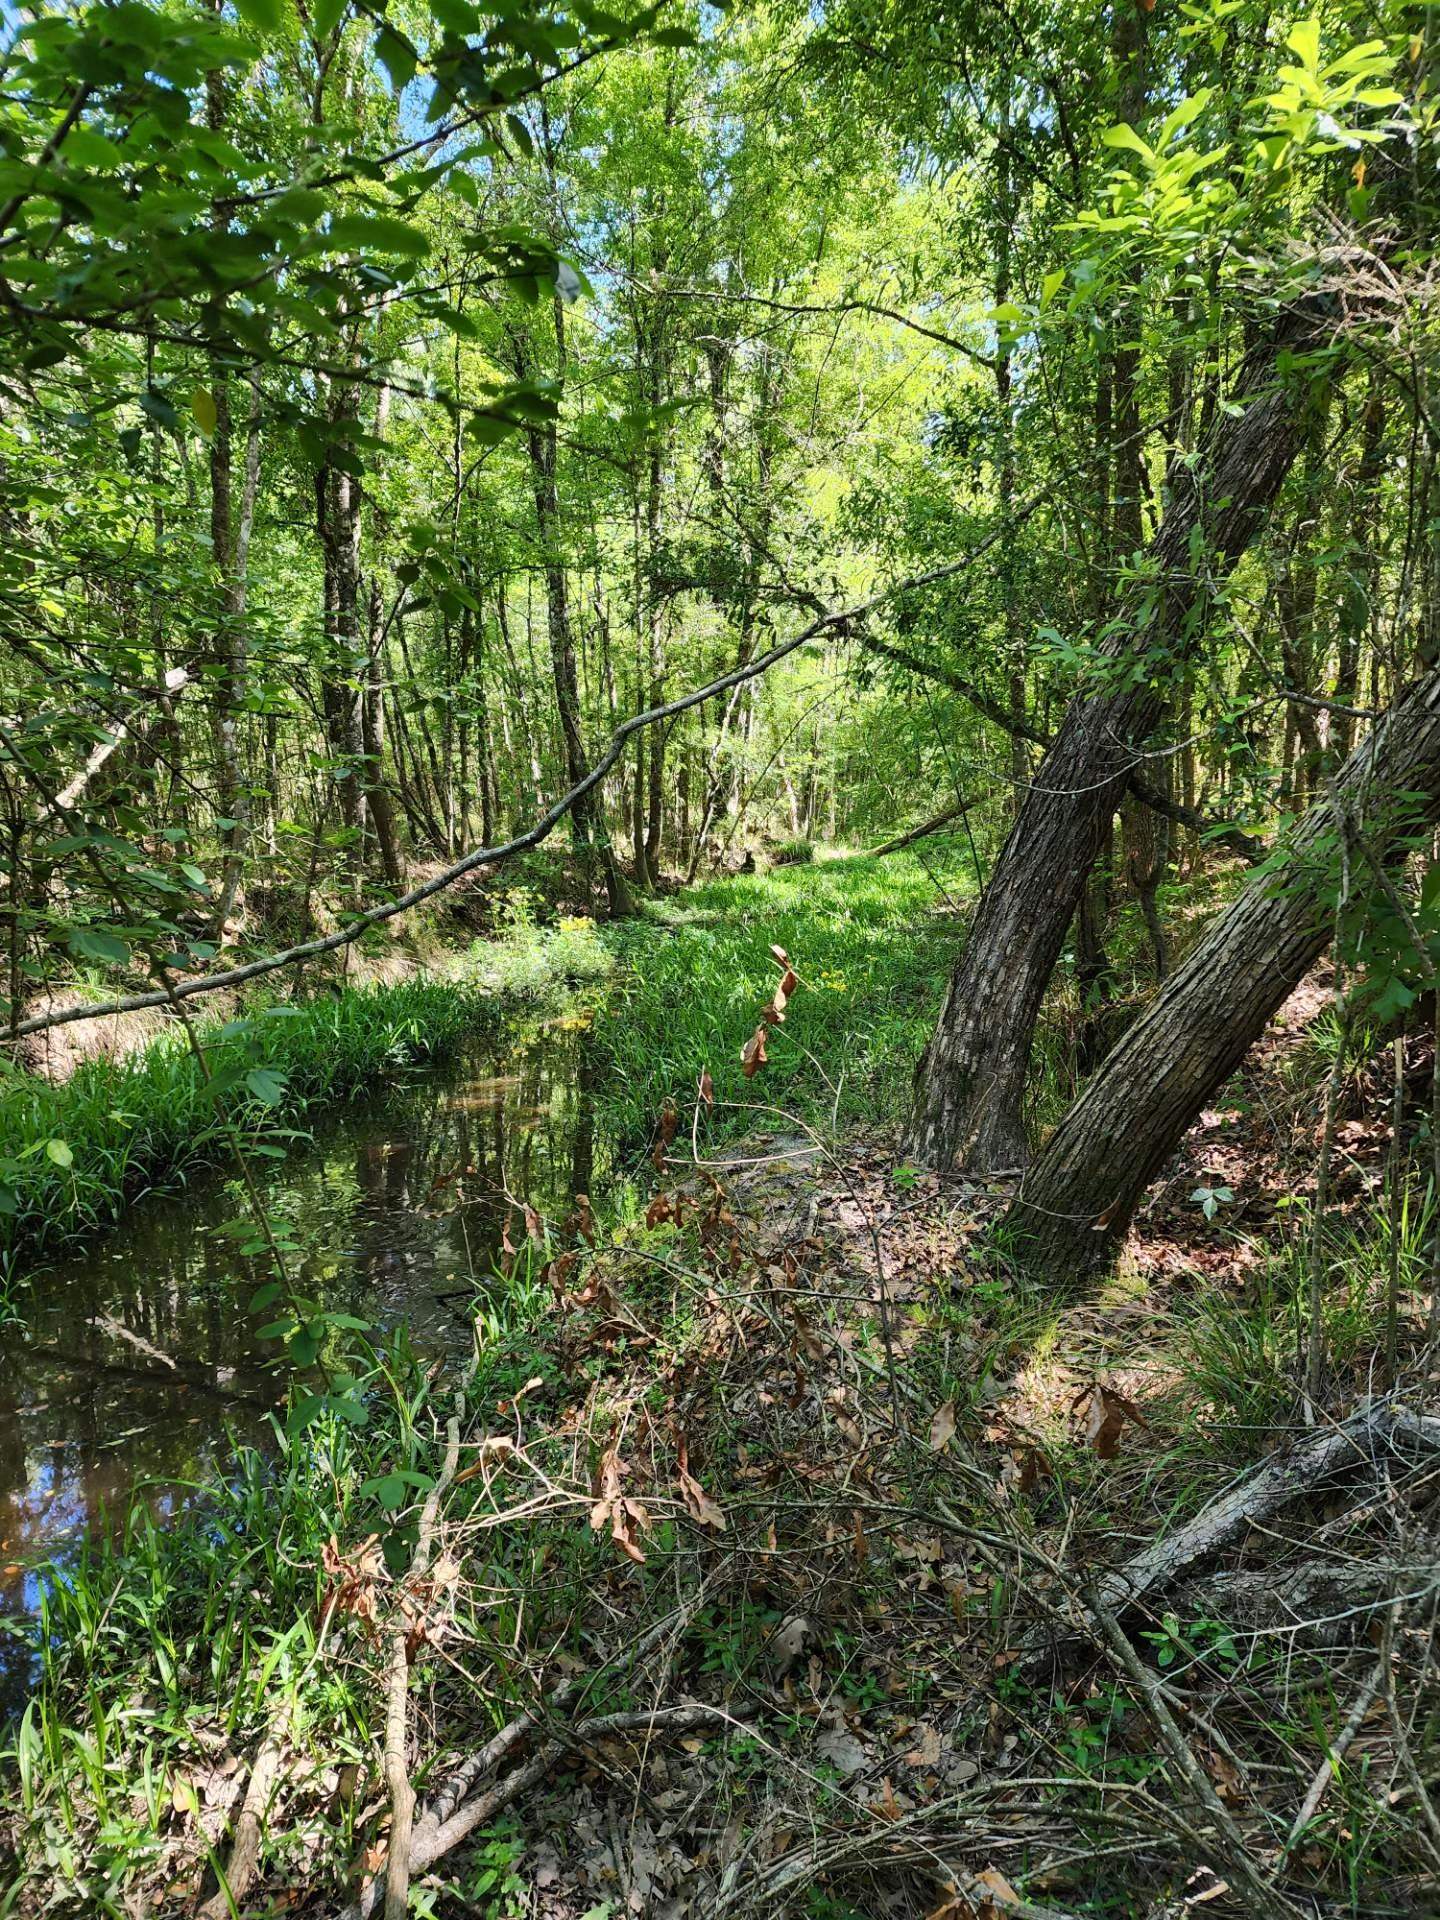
pixel 971 1080
pixel 1078 1198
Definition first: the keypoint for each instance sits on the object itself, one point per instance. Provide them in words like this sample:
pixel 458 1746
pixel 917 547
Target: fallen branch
pixel 106 1323
pixel 1278 1482
pixel 397 1691
pixel 428 1847
pixel 484 1760
pixel 244 1862
pixel 919 833
pixel 1229 1843
pixel 176 680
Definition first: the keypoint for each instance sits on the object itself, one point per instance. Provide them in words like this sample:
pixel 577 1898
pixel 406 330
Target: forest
pixel 720 923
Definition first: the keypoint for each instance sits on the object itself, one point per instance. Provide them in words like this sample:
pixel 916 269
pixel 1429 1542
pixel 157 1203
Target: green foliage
pixel 72 1156
pixel 870 953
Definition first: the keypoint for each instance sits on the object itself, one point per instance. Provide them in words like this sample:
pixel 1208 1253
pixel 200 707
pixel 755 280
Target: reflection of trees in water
pixel 396 1203
pixel 587 1079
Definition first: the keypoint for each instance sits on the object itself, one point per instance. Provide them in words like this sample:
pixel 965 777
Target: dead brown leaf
pixel 701 1507
pixel 752 1054
pixel 625 1517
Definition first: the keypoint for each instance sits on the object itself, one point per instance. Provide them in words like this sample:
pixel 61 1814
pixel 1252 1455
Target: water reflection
pixel 139 1362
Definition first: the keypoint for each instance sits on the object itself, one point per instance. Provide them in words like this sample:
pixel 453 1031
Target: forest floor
pixel 783 1549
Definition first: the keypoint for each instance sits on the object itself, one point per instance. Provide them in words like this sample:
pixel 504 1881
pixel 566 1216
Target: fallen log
pixel 932 825
pixel 1279 1481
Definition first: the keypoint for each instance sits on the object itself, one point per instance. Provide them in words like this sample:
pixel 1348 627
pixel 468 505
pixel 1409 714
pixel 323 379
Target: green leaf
pixel 1304 39
pixel 377 233
pixel 266 16
pixel 158 407
pixel 1127 138
pixel 93 943
pixel 59 1152
pixel 202 405
pixel 389 1490
pixel 1392 998
pixel 304 1346
pixel 397 56
pixel 267 1084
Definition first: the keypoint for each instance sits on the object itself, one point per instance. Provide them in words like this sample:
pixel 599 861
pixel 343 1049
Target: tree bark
pixel 1079 1197
pixel 591 835
pixel 372 712
pixel 970 1082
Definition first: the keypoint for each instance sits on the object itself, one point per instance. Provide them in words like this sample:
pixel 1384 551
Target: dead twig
pixel 1229 1843
pixel 427 1848
pixel 397 1693
pixel 240 1871
pixel 1334 1754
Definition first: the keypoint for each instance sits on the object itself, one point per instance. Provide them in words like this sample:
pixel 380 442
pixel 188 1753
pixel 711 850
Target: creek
pixel 135 1370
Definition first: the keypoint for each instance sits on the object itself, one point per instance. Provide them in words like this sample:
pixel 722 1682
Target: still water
pixel 138 1367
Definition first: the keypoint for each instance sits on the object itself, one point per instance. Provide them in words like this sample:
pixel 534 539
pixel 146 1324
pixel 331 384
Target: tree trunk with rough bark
pixel 970 1083
pixel 1079 1197
pixel 377 793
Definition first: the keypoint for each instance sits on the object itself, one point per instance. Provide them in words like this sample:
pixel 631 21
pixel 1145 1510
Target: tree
pixel 1080 1195
pixel 971 1080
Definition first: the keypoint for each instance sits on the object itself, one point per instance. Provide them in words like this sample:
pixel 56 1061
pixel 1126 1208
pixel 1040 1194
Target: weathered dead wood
pixel 432 1844
pixel 244 1861
pixel 1265 1492
pixel 135 728
pixel 1316 1604
pixel 483 1761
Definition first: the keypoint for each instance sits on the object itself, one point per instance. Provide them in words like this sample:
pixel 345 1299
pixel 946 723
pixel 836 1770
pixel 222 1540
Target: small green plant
pixel 1201 1639
pixel 1211 1199
pixel 494 1888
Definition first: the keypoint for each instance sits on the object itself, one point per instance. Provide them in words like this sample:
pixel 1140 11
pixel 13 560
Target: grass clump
pixel 872 956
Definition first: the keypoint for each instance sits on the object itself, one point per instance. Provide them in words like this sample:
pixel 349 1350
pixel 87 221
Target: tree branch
pixel 493 856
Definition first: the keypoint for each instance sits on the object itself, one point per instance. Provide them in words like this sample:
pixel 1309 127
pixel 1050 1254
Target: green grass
pixel 162 1645
pixel 872 955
